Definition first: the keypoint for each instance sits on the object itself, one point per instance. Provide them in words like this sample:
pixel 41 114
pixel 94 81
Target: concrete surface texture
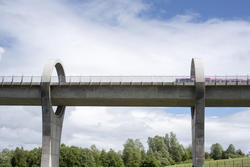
pixel 198 113
pixel 145 95
pixel 52 121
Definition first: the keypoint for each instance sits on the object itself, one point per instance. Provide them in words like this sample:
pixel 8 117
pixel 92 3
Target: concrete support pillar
pixel 198 113
pixel 51 121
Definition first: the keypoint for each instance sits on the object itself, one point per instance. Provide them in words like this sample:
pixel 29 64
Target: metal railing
pixel 179 80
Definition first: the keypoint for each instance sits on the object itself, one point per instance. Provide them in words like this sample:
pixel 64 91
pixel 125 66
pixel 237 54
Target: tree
pixel 207 155
pixel 158 148
pixel 86 158
pixel 157 144
pixel 96 154
pixel 103 158
pixel 216 151
pixel 19 158
pixel 230 152
pixel 34 157
pixel 239 153
pixel 149 161
pixel 63 155
pixel 167 141
pixel 132 153
pixel 163 151
pixel 113 159
pixel 176 149
pixel 5 158
pixel 75 156
pixel 71 156
pixel 231 149
pixel 189 152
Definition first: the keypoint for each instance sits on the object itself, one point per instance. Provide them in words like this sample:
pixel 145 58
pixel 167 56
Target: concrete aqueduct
pixel 64 93
pixel 53 121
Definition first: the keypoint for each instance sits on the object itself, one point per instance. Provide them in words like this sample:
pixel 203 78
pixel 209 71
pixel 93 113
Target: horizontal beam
pixel 96 95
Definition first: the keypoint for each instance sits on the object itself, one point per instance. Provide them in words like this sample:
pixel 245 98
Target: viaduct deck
pixel 126 94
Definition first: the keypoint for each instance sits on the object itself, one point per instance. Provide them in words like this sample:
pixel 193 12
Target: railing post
pixel 2 81
pixel 80 80
pixel 237 82
pixel 21 80
pixel 31 80
pixel 215 80
pixel 12 78
pixel 247 79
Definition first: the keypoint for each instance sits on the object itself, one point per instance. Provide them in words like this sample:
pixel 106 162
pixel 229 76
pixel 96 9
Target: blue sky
pixel 124 37
pixel 222 9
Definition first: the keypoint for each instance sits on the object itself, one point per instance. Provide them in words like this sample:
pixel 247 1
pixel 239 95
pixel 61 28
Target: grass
pixel 237 162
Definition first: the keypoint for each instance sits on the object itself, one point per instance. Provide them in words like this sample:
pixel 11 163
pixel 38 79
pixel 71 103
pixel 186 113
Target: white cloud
pixel 1 52
pixel 20 126
pixel 229 129
pixel 130 46
pixel 110 127
pixel 108 38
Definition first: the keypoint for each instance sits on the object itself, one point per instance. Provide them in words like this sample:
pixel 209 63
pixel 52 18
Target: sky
pixel 124 37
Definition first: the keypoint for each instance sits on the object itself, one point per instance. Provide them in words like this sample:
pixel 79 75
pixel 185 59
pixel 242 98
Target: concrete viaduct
pixel 195 93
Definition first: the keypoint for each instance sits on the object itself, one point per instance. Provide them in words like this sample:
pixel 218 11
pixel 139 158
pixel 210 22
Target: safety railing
pixel 178 80
pixel 93 79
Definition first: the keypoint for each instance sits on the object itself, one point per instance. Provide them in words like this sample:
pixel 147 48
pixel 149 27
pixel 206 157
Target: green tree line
pixel 162 151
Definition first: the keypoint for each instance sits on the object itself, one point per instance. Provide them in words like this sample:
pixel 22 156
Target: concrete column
pixel 51 121
pixel 198 113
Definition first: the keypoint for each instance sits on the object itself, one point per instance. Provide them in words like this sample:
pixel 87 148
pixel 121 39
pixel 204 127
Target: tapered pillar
pixel 198 113
pixel 51 121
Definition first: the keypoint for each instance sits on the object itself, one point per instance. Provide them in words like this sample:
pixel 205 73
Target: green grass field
pixel 237 162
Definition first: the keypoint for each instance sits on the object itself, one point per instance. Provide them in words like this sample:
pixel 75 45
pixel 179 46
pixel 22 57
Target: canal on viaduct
pixel 195 91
